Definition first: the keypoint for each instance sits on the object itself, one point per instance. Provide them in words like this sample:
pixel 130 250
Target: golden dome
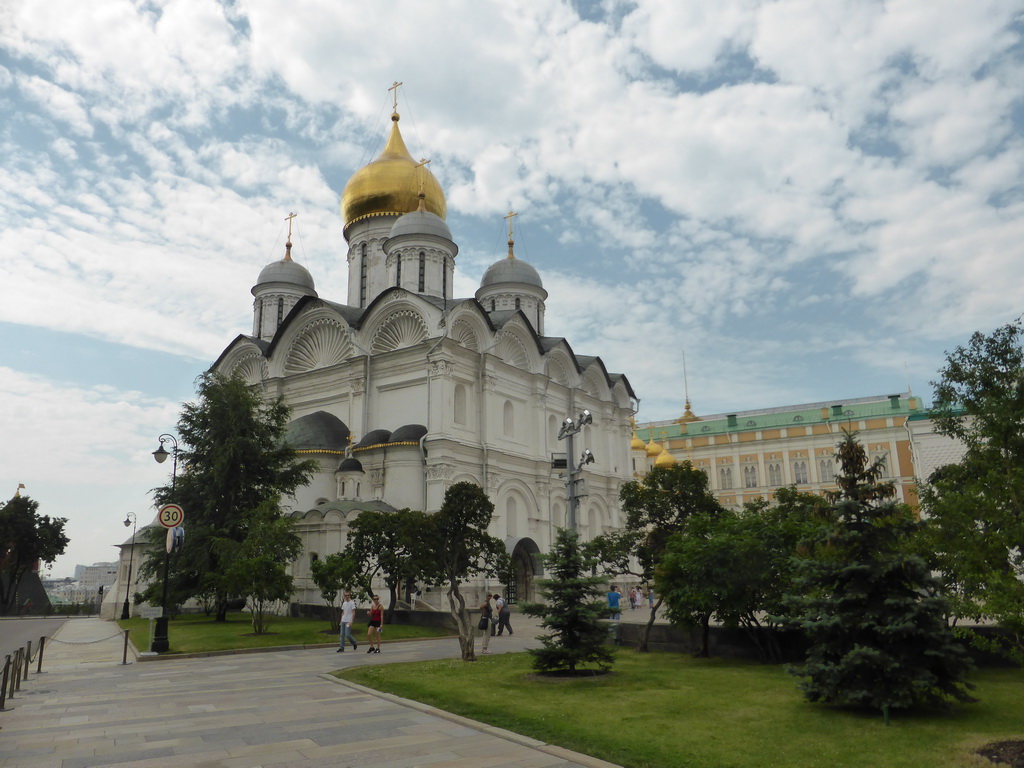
pixel 665 460
pixel 653 449
pixel 391 185
pixel 636 444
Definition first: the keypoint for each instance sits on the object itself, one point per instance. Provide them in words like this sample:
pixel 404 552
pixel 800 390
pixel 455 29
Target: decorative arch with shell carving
pixel 404 328
pixel 322 343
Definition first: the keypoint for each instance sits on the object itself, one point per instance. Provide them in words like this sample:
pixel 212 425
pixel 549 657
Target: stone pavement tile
pixel 271 747
pixel 258 761
pixel 93 761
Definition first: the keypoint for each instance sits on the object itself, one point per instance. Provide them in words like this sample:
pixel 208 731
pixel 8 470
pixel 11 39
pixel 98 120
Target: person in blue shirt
pixel 614 596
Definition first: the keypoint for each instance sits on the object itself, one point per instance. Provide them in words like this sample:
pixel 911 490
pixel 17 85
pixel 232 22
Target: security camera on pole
pixel 568 431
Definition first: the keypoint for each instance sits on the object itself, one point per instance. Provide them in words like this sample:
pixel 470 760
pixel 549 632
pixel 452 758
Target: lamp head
pixel 161 453
pixel 586 418
pixel 587 457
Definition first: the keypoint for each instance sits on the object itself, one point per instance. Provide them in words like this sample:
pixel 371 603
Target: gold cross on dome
pixel 510 215
pixel 289 218
pixel 394 97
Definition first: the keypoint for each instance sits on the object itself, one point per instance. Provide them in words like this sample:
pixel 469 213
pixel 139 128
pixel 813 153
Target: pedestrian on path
pixel 484 625
pixel 348 615
pixel 614 596
pixel 504 614
pixel 374 625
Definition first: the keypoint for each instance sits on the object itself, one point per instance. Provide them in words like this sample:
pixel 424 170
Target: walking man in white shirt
pixel 348 615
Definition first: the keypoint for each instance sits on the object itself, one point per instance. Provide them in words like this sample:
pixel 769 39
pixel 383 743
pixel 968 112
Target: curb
pixel 516 738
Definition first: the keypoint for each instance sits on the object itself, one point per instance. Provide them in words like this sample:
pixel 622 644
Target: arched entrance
pixel 525 568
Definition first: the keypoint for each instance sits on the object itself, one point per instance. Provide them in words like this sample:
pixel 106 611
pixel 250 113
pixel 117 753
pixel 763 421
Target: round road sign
pixel 171 516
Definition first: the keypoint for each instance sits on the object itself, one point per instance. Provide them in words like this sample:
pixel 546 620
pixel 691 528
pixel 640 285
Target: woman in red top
pixel 376 620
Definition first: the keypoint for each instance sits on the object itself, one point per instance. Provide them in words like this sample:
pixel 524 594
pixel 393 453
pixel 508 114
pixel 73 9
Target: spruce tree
pixel 573 613
pixel 868 606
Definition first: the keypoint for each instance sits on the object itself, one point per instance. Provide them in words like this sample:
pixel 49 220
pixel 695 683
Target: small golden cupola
pixel 653 449
pixel 391 184
pixel 636 444
pixel 666 459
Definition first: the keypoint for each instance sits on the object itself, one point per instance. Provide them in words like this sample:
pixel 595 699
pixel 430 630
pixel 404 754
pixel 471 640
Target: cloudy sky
pixel 811 200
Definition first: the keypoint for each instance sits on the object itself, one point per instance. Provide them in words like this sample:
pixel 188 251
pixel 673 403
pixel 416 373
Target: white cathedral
pixel 403 389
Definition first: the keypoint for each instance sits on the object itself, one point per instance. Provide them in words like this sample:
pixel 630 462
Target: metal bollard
pixel 124 657
pixel 16 677
pixel 3 688
pixel 28 658
pixel 39 661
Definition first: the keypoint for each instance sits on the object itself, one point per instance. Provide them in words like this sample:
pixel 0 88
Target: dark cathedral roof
pixel 320 431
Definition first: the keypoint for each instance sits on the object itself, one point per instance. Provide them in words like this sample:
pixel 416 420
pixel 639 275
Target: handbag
pixel 482 624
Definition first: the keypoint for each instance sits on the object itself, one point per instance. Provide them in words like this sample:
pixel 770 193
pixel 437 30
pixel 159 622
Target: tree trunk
pixel 458 608
pixel 642 648
pixel 705 633
pixel 222 608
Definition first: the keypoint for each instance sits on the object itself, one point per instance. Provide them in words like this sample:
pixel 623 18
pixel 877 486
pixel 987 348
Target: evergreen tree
pixel 233 460
pixel 573 613
pixel 877 631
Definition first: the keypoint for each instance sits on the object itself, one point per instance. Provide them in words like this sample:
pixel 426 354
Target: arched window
pixel 460 404
pixel 750 476
pixel 509 419
pixel 398 271
pixel 280 311
pixel 517 302
pixel 774 475
pixel 492 305
pixel 800 472
pixel 423 271
pixel 259 321
pixel 444 278
pixel 827 470
pixel 725 478
pixel 511 510
pixel 883 464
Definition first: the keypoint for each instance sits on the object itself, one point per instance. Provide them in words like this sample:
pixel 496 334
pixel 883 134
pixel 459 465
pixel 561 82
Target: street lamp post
pixel 569 431
pixel 129 520
pixel 161 643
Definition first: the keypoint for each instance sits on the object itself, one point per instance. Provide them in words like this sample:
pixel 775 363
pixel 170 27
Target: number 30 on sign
pixel 171 516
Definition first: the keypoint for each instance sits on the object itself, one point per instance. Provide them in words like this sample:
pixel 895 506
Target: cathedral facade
pixel 403 389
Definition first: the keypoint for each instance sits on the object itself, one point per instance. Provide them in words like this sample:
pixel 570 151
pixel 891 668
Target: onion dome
pixel 666 459
pixel 636 444
pixel 390 185
pixel 653 449
pixel 410 433
pixel 319 432
pixel 285 271
pixel 421 222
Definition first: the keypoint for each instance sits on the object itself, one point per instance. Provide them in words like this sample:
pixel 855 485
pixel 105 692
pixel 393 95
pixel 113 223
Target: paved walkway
pixel 279 709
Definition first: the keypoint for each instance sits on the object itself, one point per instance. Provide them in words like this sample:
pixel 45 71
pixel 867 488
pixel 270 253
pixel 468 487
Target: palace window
pixel 750 476
pixel 827 470
pixel 800 472
pixel 725 478
pixel 774 475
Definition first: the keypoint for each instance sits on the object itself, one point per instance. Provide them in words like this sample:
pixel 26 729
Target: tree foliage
pixel 573 612
pixel 232 460
pixel 389 545
pixel 657 507
pixel 331 575
pixel 736 567
pixel 975 508
pixel 877 631
pixel 25 538
pixel 457 536
pixel 258 570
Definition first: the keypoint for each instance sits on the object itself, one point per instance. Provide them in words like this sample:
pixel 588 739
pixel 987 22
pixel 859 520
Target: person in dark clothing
pixel 504 614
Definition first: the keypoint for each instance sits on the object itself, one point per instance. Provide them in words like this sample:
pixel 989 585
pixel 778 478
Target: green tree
pixel 975 508
pixel 258 570
pixel 573 613
pixel 233 459
pixel 656 507
pixel 736 566
pixel 25 538
pixel 877 631
pixel 461 548
pixel 388 544
pixel 332 575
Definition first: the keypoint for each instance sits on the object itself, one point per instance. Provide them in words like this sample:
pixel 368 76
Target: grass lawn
pixel 662 710
pixel 198 633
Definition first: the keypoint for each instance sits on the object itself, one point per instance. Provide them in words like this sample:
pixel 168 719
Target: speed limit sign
pixel 170 516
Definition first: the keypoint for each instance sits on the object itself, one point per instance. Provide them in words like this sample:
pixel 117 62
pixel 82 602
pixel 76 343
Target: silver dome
pixel 421 223
pixel 511 271
pixel 286 271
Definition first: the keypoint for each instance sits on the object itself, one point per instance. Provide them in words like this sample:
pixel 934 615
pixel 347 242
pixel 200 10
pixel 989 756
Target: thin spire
pixel 288 244
pixel 688 414
pixel 510 215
